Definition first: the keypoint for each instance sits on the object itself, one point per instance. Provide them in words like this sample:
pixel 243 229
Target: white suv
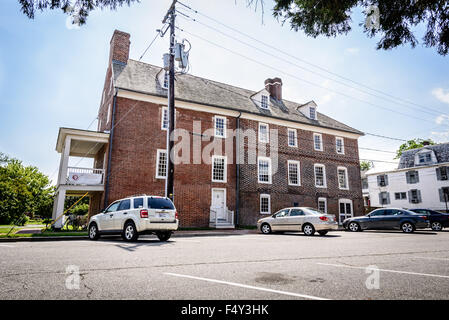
pixel 136 215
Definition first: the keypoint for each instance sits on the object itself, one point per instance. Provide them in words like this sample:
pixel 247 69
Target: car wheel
pixel 322 233
pixel 308 229
pixel 163 236
pixel 93 232
pixel 265 228
pixel 354 227
pixel 407 227
pixel 130 232
pixel 437 226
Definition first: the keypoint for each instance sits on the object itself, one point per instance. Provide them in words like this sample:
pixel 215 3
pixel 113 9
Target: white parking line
pixel 386 270
pixel 246 286
pixel 431 258
pixel 6 245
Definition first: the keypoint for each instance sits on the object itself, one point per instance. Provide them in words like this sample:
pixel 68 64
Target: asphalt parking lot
pixel 251 266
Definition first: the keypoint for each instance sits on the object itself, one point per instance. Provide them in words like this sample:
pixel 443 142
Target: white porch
pixel 221 218
pixel 76 181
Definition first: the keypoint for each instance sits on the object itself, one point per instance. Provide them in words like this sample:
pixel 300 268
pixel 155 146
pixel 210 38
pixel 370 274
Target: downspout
pixel 237 171
pixel 111 136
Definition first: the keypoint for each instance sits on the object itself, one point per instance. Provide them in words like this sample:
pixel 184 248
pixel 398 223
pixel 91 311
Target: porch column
pixel 64 160
pixel 58 208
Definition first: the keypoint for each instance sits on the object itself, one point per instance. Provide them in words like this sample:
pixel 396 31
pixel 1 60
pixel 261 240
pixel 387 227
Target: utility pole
pixel 169 183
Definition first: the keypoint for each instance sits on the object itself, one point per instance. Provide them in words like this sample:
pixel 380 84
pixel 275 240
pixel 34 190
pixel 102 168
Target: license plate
pixel 164 215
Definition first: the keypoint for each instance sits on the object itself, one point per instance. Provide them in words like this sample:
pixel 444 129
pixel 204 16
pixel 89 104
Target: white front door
pixel 345 210
pixel 219 202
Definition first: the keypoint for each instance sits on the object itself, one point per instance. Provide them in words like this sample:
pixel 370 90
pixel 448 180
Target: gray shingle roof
pixel 441 151
pixel 142 77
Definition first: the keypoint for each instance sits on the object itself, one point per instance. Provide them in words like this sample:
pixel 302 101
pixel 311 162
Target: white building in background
pixel 421 180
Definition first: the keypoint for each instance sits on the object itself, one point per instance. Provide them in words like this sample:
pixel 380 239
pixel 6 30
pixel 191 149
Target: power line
pixel 298 78
pixel 278 50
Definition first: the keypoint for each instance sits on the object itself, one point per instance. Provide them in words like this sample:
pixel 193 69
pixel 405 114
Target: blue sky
pixel 52 75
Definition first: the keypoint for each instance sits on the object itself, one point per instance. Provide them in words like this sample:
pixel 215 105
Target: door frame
pixel 345 201
pixel 224 198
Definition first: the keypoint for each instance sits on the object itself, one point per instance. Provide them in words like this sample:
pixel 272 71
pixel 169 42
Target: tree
pixel 365 165
pixel 78 9
pixel 23 190
pixel 413 144
pixel 394 21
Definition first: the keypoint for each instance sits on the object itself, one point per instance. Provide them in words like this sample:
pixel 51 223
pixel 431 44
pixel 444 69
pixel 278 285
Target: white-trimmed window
pixel 312 111
pixel 294 178
pixel 166 79
pixel 292 137
pixel 264 133
pixel 164 118
pixel 342 174
pixel 161 164
pixel 320 175
pixel 108 119
pixel 322 204
pixel 265 204
pixel 264 170
pixel 220 126
pixel 264 101
pixel 318 141
pixel 219 172
pixel 340 145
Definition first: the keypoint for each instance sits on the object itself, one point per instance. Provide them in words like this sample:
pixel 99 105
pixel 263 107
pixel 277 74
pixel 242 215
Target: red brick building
pixel 289 154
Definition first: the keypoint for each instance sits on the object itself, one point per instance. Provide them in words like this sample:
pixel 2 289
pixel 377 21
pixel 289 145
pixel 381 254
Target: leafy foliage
pixel 365 165
pixel 396 21
pixel 23 190
pixel 413 144
pixel 83 7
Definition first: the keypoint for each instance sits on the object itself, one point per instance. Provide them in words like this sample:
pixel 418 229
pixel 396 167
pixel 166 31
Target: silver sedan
pixel 307 220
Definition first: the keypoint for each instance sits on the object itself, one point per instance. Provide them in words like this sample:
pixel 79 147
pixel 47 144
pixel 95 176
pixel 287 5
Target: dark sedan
pixel 438 220
pixel 388 218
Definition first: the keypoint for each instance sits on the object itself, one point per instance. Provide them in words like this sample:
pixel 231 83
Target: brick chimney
pixel 119 50
pixel 274 87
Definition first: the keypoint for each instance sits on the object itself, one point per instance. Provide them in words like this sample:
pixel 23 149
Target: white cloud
pixel 442 119
pixel 352 51
pixel 440 137
pixel 441 94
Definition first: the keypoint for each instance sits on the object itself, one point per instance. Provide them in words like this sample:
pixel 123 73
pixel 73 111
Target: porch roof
pixel 85 143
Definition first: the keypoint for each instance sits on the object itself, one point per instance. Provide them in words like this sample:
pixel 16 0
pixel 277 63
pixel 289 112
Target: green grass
pixel 247 227
pixel 5 229
pixel 49 233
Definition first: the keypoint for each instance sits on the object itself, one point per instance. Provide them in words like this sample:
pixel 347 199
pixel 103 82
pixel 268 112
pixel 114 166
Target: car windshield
pixel 160 203
pixel 313 211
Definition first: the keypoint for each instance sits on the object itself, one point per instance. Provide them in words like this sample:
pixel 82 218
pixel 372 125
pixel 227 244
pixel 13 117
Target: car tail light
pixel 424 217
pixel 176 215
pixel 324 218
pixel 144 213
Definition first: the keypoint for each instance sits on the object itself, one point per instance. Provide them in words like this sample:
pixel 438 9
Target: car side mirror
pixel 369 215
pixel 274 217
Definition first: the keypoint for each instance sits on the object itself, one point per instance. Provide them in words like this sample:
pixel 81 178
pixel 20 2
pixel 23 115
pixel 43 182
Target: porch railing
pixel 85 176
pixel 228 216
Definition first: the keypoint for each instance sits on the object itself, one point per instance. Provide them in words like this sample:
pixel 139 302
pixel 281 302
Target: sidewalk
pixel 176 234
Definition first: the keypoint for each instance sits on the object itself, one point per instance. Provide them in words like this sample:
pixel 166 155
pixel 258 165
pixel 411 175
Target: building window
pixel 400 196
pixel 220 127
pixel 415 196
pixel 322 205
pixel 265 204
pixel 442 173
pixel 264 170
pixel 293 173
pixel 263 133
pixel 444 194
pixel 382 180
pixel 340 145
pixel 384 198
pixel 342 178
pixel 264 102
pixel 292 138
pixel 317 142
pixel 312 113
pixel 320 176
pixel 161 164
pixel 412 177
pixel 365 183
pixel 219 169
pixel 425 157
pixel 164 118
pixel 166 79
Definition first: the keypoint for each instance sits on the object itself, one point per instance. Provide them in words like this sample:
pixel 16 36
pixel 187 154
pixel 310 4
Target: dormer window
pixel 166 77
pixel 264 102
pixel 312 113
pixel 425 157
